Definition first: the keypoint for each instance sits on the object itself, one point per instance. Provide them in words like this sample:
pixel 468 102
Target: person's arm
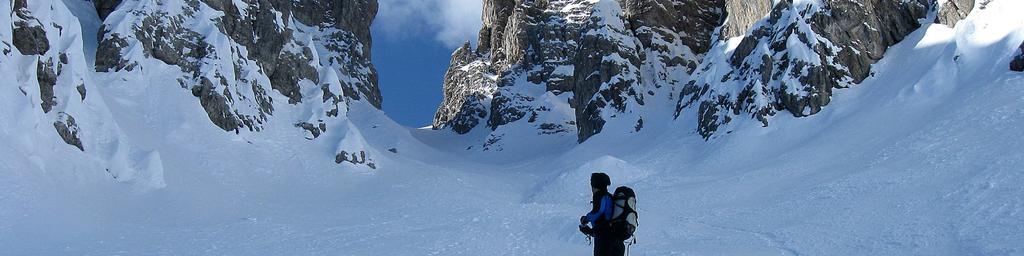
pixel 605 207
pixel 610 209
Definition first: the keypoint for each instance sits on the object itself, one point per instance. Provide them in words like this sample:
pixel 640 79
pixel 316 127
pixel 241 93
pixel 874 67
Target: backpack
pixel 624 217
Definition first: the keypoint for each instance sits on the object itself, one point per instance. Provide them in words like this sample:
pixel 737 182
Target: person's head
pixel 599 181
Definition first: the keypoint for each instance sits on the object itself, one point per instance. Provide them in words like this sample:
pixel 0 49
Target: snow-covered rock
pixel 468 92
pixel 952 11
pixel 249 65
pixel 741 15
pixel 792 60
pixel 246 64
pixel 52 109
pixel 621 63
pixel 1018 60
pixel 234 55
pixel 606 60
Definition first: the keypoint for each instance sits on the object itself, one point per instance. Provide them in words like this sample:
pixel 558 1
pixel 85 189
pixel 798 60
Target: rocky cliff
pixel 239 57
pixel 571 67
pixel 617 61
pixel 302 64
pixel 952 11
pixel 1017 64
pixel 741 15
pixel 794 59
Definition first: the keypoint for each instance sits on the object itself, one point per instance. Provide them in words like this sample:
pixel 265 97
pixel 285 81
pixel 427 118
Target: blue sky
pixel 412 44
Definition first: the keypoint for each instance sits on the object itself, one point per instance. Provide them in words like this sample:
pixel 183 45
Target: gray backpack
pixel 624 216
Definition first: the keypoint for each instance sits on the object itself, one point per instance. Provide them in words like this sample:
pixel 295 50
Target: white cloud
pixel 451 22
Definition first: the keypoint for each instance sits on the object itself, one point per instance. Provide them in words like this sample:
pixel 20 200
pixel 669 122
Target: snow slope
pixel 923 158
pixel 53 90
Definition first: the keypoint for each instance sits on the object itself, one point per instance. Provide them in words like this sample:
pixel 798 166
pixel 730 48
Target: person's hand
pixel 584 220
pixel 586 230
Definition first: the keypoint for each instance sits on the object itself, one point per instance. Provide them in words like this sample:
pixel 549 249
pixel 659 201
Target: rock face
pixel 236 57
pixel 570 67
pixel 1018 61
pixel 741 15
pixel 521 68
pixel 307 61
pixel 616 61
pixel 29 35
pixel 68 131
pixel 952 11
pixel 467 100
pixel 793 60
pixel 667 38
pixel 354 158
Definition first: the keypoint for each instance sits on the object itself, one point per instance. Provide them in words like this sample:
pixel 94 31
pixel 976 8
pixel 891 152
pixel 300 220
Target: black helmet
pixel 600 180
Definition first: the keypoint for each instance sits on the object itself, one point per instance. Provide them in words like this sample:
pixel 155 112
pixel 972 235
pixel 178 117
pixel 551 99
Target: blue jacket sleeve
pixel 605 209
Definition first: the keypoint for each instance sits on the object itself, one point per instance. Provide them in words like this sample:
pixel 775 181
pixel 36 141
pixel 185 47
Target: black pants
pixel 606 246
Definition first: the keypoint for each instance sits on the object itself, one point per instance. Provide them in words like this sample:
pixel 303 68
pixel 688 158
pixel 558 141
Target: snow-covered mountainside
pixel 230 54
pixel 565 68
pixel 794 59
pixel 252 127
pixel 246 63
pixel 588 66
pixel 54 113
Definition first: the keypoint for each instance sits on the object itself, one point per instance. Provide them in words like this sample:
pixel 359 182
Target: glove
pixel 583 220
pixel 586 230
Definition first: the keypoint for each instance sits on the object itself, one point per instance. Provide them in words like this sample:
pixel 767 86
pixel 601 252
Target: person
pixel 605 244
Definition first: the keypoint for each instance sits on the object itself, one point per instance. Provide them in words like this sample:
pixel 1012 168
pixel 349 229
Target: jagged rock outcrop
pixel 467 99
pixel 29 35
pixel 666 37
pixel 1018 60
pixel 46 75
pixel 742 14
pixel 794 59
pixel 354 158
pixel 68 131
pixel 605 57
pixel 495 18
pixel 525 51
pixel 952 11
pixel 237 56
pixel 607 70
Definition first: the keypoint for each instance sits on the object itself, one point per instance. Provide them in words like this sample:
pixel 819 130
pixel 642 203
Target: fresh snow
pixel 923 158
